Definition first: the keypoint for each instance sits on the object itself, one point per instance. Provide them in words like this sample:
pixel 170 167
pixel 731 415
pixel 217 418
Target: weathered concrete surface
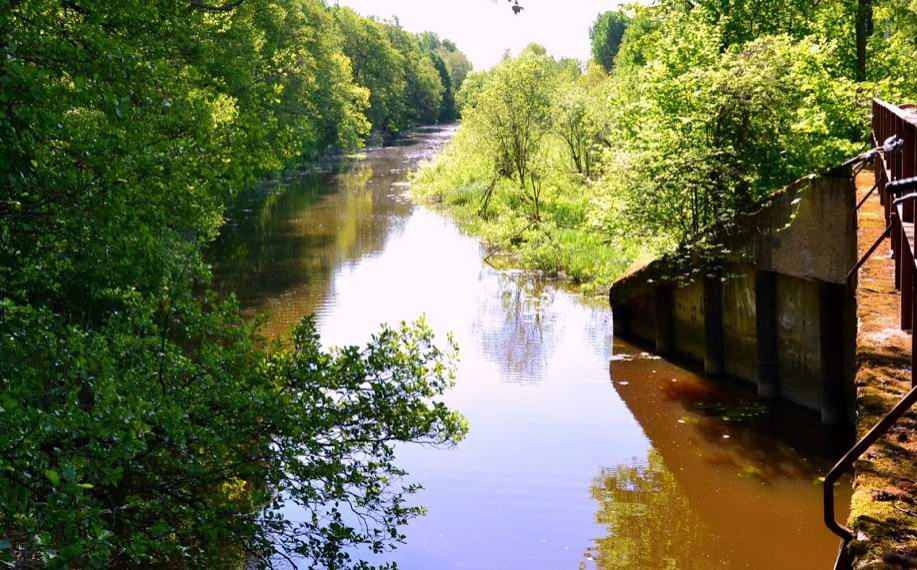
pixel 884 505
pixel 817 244
pixel 798 363
pixel 739 318
pixel 805 230
pixel 688 320
pixel 800 244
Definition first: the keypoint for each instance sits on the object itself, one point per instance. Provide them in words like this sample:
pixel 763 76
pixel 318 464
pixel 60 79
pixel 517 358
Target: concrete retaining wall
pixel 799 361
pixel 739 336
pixel 688 320
pixel 774 311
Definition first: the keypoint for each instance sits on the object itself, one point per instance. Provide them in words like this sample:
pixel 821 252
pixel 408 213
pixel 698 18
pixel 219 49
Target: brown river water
pixel 584 450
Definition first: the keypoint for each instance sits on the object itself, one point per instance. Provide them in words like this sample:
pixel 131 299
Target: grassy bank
pixel 569 240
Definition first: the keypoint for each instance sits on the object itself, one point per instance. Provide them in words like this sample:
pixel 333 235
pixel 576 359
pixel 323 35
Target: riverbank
pixel 884 504
pixel 569 241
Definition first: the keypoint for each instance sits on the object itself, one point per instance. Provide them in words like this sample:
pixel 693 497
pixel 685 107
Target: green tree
pixel 412 79
pixel 426 91
pixel 453 66
pixel 512 115
pixel 143 426
pixel 457 62
pixel 578 124
pixel 891 62
pixel 170 440
pixel 606 34
pixel 719 136
pixel 471 90
pixel 742 21
pixel 636 48
pixel 378 66
pixel 424 94
pixel 448 111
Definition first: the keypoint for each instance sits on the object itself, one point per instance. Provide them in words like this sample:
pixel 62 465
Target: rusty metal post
pixel 913 333
pixel 896 244
pixel 904 255
pixel 904 260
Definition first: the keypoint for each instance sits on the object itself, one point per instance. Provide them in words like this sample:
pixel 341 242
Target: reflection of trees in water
pixel 296 232
pixel 357 231
pixel 650 523
pixel 253 254
pixel 599 330
pixel 285 238
pixel 516 326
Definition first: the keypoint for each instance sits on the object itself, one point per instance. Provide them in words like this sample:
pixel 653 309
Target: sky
pixel 485 29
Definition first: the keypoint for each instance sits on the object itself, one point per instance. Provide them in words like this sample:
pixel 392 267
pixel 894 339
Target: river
pixel 584 451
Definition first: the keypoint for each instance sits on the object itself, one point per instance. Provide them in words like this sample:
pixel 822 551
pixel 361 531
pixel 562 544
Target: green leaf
pixel 53 476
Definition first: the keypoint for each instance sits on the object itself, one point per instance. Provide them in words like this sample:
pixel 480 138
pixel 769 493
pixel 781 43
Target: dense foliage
pixel 141 423
pixel 891 49
pixel 606 35
pixel 689 113
pixel 412 79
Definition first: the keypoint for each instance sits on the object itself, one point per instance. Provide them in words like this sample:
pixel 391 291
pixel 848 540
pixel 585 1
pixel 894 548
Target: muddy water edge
pixel 584 450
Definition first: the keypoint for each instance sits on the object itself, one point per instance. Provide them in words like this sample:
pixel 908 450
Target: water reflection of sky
pixel 564 466
pixel 515 493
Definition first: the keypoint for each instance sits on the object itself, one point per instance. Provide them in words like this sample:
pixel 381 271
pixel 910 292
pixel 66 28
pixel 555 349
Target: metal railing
pixel 896 175
pixel 846 463
pixel 894 132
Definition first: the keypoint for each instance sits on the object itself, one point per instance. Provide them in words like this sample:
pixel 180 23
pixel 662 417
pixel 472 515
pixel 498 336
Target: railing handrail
pixel 889 419
pixel 901 113
pixel 895 174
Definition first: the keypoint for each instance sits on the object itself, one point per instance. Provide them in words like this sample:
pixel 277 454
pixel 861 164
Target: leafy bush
pixel 164 438
pixel 714 139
